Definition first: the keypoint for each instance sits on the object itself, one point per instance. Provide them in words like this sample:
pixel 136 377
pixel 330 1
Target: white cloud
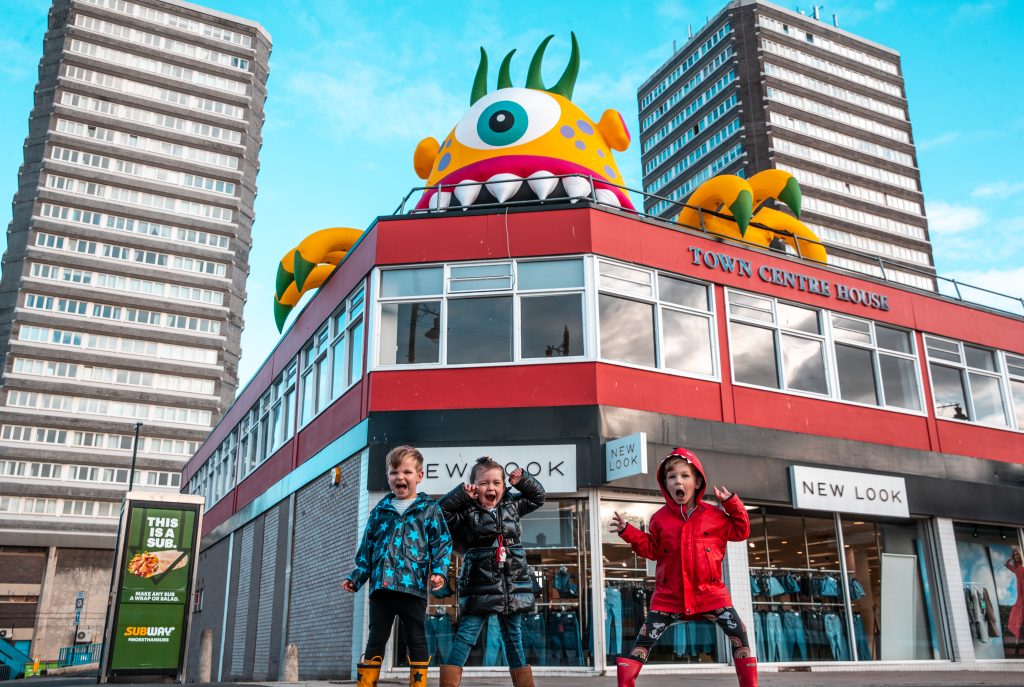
pixel 1003 281
pixel 672 9
pixel 944 218
pixel 940 140
pixel 1001 188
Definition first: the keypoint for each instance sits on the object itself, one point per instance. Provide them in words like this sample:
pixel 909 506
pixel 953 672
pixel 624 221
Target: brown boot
pixel 451 676
pixel 522 677
pixel 418 673
pixel 369 672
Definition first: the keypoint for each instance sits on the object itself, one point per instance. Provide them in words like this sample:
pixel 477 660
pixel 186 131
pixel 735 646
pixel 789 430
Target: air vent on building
pixel 83 637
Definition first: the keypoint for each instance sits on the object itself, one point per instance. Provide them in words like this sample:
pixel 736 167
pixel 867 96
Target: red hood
pixel 692 458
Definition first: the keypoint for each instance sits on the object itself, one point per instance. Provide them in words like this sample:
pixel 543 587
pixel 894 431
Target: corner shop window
pixel 966 382
pixel 558 632
pixel 629 584
pixel 410 333
pixel 993 591
pixel 799 592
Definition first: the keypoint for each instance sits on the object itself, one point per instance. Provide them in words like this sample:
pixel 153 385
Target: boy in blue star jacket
pixel 405 549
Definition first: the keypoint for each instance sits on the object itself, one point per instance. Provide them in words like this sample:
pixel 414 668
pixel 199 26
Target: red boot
pixel 746 671
pixel 628 669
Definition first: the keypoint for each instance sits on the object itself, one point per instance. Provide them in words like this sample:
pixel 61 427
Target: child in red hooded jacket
pixel 687 538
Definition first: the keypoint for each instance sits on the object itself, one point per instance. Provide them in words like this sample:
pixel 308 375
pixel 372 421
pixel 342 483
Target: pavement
pixel 867 678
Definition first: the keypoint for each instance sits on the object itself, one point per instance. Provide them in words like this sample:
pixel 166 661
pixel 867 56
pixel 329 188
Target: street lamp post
pixel 135 452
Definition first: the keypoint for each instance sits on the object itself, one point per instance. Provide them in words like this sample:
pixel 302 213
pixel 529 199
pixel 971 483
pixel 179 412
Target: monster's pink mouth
pixel 520 177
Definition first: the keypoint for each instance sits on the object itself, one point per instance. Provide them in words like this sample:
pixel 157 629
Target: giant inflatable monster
pixel 532 143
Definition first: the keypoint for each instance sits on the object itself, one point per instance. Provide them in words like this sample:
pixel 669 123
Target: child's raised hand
pixel 721 493
pixel 470 491
pixel 436 582
pixel 516 475
pixel 348 586
pixel 618 523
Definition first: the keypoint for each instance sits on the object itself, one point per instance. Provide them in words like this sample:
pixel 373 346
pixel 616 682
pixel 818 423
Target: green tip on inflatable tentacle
pixel 480 81
pixel 284 280
pixel 504 78
pixel 533 78
pixel 567 83
pixel 280 314
pixel 791 196
pixel 302 269
pixel 742 209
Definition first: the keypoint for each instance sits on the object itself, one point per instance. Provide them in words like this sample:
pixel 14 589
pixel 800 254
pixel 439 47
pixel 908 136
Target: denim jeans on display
pixel 863 649
pixel 856 589
pixel 535 638
pixel 564 639
pixel 836 637
pixel 494 652
pixel 755 587
pixel 791 583
pixel 510 630
pixel 564 585
pixel 439 637
pixel 773 641
pixel 759 636
pixel 794 640
pixel 700 636
pixel 828 586
pixel 613 620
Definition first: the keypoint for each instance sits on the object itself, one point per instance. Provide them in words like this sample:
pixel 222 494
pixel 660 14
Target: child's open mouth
pixel 680 495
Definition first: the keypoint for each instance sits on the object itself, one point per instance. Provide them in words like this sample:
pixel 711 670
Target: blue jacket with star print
pixel 400 552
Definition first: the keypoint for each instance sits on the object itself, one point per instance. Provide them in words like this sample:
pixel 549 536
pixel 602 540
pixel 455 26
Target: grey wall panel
pixel 325 540
pixel 267 590
pixel 211 581
pixel 241 613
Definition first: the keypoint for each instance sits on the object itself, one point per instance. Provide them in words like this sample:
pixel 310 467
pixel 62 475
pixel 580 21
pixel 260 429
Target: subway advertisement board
pixel 147 624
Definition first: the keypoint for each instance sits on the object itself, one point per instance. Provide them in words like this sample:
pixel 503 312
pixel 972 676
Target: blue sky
pixel 354 86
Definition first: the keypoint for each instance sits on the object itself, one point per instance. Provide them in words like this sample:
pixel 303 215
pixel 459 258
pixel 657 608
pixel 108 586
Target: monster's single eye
pixel 510 116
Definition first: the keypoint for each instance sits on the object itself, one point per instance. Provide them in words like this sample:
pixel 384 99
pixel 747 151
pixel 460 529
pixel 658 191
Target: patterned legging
pixel 657 622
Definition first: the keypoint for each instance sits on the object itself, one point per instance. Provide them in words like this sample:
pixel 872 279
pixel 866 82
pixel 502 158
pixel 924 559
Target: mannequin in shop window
pixel 1015 625
pixel 687 539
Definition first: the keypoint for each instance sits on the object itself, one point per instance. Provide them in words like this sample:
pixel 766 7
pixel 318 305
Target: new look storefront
pixel 874 432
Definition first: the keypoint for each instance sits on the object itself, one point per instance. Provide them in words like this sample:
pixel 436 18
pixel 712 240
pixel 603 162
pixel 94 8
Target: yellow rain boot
pixel 369 672
pixel 418 673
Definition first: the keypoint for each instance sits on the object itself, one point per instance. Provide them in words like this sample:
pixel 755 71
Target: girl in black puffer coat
pixel 483 518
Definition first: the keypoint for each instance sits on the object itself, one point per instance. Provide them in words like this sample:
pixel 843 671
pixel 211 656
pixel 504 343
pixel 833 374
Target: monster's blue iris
pixel 502 123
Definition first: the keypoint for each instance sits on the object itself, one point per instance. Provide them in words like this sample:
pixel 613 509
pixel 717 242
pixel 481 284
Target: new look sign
pixel 849 492
pixel 554 465
pixel 625 457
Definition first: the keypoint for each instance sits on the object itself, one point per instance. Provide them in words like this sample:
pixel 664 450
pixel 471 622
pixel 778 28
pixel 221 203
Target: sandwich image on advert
pixel 150 563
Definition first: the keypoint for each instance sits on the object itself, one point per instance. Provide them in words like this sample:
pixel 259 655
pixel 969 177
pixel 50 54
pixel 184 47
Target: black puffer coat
pixel 486 586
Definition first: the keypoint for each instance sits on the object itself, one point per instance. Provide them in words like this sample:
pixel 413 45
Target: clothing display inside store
pixel 993 574
pixel 800 585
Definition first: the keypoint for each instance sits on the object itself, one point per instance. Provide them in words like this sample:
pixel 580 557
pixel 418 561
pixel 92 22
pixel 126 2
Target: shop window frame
pixel 965 371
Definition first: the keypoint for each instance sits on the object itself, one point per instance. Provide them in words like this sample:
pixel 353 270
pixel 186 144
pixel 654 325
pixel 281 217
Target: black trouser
pixel 656 622
pixel 385 606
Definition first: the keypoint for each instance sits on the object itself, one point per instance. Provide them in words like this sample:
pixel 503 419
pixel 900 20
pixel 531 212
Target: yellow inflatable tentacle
pixel 777 184
pixel 306 266
pixel 791 231
pixel 727 194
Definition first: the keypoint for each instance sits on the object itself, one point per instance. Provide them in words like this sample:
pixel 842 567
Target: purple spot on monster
pixel 567 131
pixel 600 153
pixel 444 162
pixel 584 127
pixel 609 171
pixel 581 145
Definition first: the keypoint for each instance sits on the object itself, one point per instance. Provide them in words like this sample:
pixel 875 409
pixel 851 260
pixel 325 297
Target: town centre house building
pixel 874 431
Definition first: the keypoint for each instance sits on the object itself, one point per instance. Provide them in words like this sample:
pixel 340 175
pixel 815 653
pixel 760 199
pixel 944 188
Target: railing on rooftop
pixel 584 189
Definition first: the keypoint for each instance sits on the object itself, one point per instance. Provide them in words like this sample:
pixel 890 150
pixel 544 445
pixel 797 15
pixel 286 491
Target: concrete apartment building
pixel 760 87
pixel 123 286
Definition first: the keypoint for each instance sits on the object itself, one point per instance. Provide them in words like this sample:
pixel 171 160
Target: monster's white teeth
pixel 440 200
pixel 467 191
pixel 540 185
pixel 607 197
pixel 503 186
pixel 577 186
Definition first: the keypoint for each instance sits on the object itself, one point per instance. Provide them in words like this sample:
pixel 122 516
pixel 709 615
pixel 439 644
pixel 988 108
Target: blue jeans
pixel 494 652
pixel 759 636
pixel 564 639
pixel 439 637
pixel 774 650
pixel 793 635
pixel 535 638
pixel 613 620
pixel 510 630
pixel 836 637
pixel 863 649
